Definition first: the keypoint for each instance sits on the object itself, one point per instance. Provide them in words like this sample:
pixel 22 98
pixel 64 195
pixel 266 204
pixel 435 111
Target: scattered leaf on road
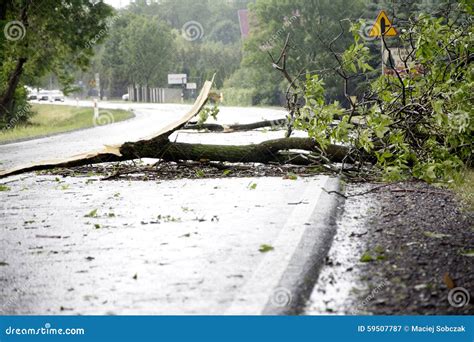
pixel 435 235
pixel 366 257
pixel 200 173
pixel 291 176
pixel 449 281
pixel 93 213
pixel 265 248
pixel 252 186
pixel 468 253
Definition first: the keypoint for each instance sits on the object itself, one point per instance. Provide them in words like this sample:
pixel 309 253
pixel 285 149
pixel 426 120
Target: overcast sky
pixel 118 3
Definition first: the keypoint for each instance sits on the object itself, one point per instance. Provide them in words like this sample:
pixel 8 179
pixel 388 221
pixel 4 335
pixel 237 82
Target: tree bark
pixel 7 98
pixel 237 127
pixel 270 151
pixel 265 152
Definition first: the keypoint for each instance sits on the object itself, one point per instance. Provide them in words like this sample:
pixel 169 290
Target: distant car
pixel 43 97
pixel 58 98
pixel 32 97
pixel 125 97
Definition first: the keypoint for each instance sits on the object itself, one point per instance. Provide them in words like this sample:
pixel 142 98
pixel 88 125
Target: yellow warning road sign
pixel 382 27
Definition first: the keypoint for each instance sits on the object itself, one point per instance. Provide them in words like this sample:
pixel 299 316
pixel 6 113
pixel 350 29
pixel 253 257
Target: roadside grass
pixel 465 189
pixel 51 119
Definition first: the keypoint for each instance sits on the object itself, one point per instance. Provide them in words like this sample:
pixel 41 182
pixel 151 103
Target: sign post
pixel 382 28
pixel 96 110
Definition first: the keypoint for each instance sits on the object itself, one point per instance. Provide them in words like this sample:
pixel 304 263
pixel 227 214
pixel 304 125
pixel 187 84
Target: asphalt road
pixel 149 118
pixel 175 247
pixel 205 246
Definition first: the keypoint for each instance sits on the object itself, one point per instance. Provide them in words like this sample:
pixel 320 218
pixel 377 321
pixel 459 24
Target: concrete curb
pixel 285 278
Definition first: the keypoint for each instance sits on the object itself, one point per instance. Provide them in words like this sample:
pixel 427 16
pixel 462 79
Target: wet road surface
pixel 79 245
pixel 149 118
pixel 85 246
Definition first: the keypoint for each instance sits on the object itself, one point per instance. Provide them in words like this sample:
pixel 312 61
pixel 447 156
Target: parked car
pixel 32 97
pixel 43 97
pixel 125 97
pixel 57 97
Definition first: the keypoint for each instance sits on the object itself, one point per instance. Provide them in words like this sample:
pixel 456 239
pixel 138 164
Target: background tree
pixel 312 26
pixel 44 36
pixel 147 48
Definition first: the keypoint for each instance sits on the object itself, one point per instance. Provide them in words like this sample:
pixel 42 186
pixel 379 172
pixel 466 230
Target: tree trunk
pixel 7 98
pixel 265 152
pixel 270 151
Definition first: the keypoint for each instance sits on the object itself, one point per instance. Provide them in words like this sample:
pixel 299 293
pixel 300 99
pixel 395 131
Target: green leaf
pixel 265 248
pixel 93 213
pixel 366 257
pixel 468 253
pixel 435 235
pixel 200 173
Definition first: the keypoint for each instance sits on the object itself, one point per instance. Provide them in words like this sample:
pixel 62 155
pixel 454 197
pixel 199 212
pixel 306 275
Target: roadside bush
pixel 238 96
pixel 20 113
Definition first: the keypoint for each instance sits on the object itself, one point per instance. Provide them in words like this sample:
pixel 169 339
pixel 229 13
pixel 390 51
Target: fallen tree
pixel 298 151
pixel 264 152
pixel 270 151
pixel 413 124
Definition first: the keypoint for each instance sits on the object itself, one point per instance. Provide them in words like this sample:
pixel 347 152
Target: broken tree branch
pixel 236 127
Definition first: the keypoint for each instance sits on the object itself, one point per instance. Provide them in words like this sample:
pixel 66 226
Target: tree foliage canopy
pixel 414 121
pixel 45 36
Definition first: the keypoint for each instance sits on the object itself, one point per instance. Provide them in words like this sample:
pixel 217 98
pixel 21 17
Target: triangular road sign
pixel 382 26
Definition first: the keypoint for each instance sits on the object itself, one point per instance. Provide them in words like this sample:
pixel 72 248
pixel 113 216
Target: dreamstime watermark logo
pixel 46 330
pixel 365 29
pixel 370 297
pixel 192 30
pixel 104 117
pixel 458 297
pixel 108 25
pixel 287 23
pixel 13 301
pixel 281 297
pixel 20 115
pixel 14 30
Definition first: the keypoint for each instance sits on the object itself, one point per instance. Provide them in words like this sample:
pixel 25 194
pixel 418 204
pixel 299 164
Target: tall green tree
pixel 312 26
pixel 45 36
pixel 147 48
